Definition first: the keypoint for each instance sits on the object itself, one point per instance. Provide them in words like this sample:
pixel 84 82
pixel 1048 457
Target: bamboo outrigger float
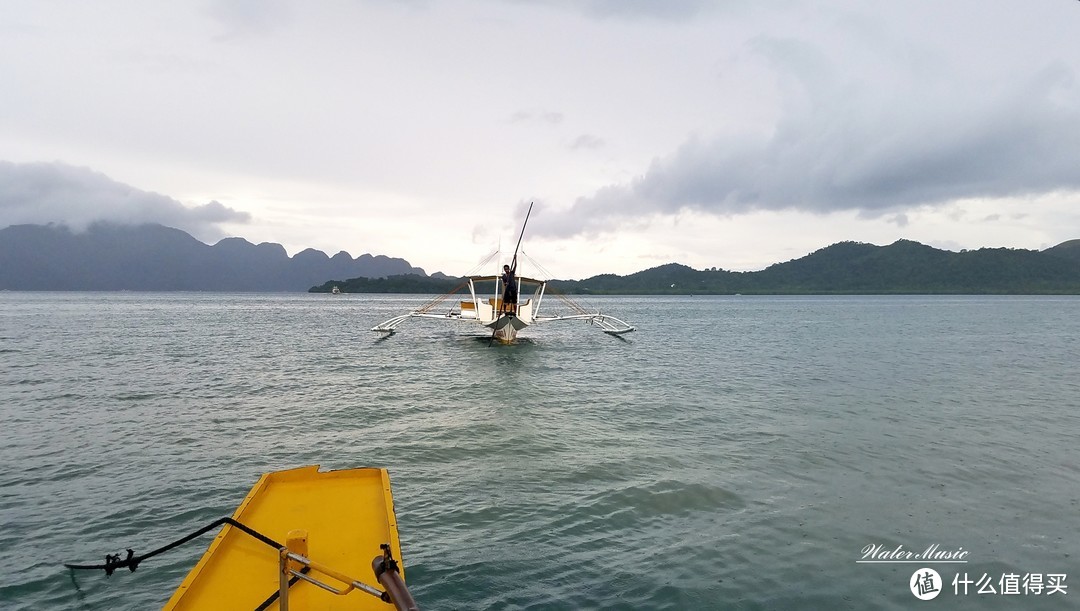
pixel 503 313
pixel 336 525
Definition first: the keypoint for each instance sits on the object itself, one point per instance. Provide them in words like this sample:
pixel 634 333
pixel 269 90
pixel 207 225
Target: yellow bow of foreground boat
pixel 346 516
pixel 302 539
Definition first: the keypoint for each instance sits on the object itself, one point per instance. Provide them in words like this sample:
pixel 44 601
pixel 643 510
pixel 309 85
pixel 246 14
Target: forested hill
pixel 156 258
pixel 904 267
pixel 111 257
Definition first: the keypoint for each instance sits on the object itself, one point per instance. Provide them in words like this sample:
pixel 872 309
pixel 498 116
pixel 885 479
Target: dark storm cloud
pixel 851 143
pixel 41 193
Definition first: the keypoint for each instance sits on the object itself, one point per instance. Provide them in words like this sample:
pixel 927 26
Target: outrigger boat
pixel 504 319
pixel 502 312
pixel 336 525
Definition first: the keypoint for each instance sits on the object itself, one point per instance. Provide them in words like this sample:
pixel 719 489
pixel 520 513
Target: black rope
pixel 273 597
pixel 131 562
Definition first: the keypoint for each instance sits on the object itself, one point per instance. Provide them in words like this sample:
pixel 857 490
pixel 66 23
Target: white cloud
pixel 412 128
pixel 42 193
pixel 875 135
pixel 587 142
pixel 665 10
pixel 245 17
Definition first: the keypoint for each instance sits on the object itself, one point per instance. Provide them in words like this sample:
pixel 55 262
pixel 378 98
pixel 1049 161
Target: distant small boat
pixel 339 531
pixel 335 291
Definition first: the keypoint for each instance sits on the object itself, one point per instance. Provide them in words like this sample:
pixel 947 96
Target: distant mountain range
pixel 904 267
pixel 109 257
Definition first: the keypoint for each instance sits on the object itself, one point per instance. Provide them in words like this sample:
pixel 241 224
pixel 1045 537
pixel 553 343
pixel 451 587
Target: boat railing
pixel 293 566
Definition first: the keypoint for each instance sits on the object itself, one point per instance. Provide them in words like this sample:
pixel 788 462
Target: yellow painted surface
pixel 347 514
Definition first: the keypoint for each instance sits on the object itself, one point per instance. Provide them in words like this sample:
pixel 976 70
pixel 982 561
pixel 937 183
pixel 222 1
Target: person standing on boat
pixel 510 294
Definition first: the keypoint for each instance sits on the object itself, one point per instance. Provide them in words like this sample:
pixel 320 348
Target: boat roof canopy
pixel 493 278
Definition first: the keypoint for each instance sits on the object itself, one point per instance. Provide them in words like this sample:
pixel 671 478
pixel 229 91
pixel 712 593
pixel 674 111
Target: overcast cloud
pixel 43 193
pixel 710 132
pixel 881 135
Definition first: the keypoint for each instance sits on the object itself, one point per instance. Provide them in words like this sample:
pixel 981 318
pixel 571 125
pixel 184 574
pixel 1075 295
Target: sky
pixel 714 133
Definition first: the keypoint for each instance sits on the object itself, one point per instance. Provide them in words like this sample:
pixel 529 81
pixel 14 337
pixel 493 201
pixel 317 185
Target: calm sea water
pixel 734 453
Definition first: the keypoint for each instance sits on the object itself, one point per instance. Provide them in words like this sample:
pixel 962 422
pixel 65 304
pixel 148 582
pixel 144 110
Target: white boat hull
pixel 505 328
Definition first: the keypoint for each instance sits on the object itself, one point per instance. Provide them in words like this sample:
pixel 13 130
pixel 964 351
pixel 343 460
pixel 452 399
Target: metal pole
pixel 513 263
pixel 283 579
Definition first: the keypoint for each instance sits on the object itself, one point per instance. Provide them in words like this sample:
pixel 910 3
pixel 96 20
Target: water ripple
pixel 739 459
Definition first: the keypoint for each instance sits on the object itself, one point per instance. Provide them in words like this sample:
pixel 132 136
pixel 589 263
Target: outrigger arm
pixel 608 324
pixel 390 326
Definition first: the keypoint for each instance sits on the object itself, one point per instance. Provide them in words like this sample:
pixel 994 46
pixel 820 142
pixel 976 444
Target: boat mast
pixel 513 263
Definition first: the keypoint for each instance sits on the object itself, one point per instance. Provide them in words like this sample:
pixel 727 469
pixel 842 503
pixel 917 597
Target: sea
pixel 735 452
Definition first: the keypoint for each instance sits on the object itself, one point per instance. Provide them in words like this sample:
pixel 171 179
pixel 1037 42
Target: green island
pixel 846 268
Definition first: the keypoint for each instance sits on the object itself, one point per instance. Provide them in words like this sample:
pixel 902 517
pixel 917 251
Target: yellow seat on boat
pixel 347 514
